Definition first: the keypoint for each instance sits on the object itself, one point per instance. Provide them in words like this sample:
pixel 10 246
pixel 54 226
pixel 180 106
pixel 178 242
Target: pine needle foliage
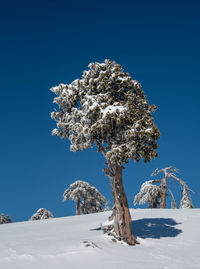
pixel 107 106
pixel 108 109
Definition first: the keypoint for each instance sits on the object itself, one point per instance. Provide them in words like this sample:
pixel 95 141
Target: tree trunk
pixel 78 206
pixel 163 194
pixel 121 213
pixel 153 205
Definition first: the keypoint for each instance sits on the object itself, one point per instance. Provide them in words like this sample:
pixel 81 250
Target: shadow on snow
pixel 155 228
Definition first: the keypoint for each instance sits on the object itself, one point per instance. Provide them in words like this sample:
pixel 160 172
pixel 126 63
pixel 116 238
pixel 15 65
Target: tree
pixel 156 195
pixel 149 193
pixel 169 174
pixel 186 201
pixel 42 213
pixel 108 109
pixel 87 197
pixel 4 219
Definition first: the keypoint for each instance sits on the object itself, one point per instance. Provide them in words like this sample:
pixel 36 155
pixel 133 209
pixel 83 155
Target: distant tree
pixel 42 213
pixel 4 219
pixel 88 199
pixel 169 174
pixel 156 195
pixel 108 109
pixel 186 201
pixel 150 194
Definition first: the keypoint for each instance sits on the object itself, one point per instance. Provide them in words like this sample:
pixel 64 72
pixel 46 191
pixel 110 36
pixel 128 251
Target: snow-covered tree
pixel 4 219
pixel 108 109
pixel 42 213
pixel 156 195
pixel 88 199
pixel 186 201
pixel 149 193
pixel 169 174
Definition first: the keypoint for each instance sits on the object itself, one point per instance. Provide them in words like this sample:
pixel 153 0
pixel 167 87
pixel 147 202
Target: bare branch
pixel 153 173
pixel 180 181
pixel 174 170
pixel 156 172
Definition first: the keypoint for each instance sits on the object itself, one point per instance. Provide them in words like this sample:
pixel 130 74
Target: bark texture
pixel 163 194
pixel 78 206
pixel 121 213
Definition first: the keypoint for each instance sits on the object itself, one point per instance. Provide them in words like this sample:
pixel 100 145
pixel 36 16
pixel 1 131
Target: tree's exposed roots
pixel 109 230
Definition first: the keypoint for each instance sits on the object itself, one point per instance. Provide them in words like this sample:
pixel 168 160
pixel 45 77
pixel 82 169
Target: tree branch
pixel 100 147
pixel 173 200
pixel 180 181
pixel 156 181
pixel 156 172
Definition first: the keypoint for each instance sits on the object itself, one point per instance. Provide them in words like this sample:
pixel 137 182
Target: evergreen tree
pixel 186 201
pixel 4 219
pixel 108 109
pixel 88 199
pixel 42 213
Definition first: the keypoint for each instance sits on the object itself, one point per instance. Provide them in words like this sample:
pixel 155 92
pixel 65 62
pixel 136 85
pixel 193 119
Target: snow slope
pixel 169 238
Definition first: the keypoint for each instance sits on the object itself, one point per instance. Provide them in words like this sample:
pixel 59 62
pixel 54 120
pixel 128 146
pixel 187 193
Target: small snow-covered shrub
pixel 42 213
pixel 4 219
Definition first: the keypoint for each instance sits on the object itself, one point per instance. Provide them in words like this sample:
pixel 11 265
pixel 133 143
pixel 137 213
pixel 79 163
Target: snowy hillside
pixel 168 239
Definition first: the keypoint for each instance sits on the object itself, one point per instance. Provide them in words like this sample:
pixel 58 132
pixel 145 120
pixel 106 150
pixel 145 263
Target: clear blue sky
pixel 44 43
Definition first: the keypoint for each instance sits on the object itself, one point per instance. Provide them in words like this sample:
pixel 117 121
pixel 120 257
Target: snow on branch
pixel 4 219
pixel 91 200
pixel 186 201
pixel 149 193
pixel 109 109
pixel 42 213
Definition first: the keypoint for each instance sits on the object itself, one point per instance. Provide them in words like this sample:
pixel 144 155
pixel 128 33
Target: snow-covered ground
pixel 168 239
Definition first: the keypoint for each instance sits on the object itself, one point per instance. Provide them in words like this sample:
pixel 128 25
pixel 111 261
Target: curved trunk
pixel 121 213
